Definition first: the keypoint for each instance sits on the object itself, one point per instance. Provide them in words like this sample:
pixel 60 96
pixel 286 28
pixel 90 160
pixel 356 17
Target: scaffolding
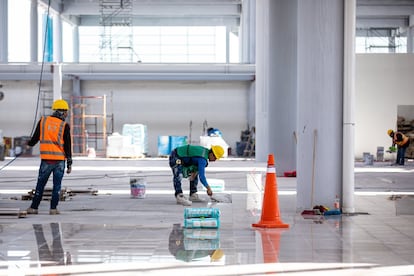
pixel 90 123
pixel 46 101
pixel 116 40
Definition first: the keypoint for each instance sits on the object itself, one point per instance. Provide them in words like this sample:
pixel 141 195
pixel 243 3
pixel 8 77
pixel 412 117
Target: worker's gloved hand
pixel 209 191
pixel 69 169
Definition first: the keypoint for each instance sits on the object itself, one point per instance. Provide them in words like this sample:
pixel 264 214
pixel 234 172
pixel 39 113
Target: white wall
pixel 383 81
pixel 165 107
pixel 168 107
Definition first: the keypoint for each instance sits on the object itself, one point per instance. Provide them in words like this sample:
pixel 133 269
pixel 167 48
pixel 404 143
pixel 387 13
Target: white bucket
pixel 91 152
pixel 138 186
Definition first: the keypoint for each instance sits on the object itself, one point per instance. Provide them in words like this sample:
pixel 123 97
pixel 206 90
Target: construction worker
pixel 403 142
pixel 190 161
pixel 55 147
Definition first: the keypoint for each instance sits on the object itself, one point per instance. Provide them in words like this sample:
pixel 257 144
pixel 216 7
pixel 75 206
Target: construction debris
pixel 64 193
pixel 12 212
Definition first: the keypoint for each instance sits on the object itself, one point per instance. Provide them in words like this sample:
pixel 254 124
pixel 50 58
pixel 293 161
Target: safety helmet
pixel 60 105
pixel 390 131
pixel 217 255
pixel 218 151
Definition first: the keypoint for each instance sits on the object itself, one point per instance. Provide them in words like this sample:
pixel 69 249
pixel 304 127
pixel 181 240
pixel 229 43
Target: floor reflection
pixel 55 254
pixel 191 245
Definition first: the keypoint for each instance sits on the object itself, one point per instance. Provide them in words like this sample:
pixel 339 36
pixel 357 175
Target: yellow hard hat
pixel 217 255
pixel 390 131
pixel 60 105
pixel 218 151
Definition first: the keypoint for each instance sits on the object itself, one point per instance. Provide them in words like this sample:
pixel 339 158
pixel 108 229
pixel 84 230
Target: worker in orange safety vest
pixel 53 133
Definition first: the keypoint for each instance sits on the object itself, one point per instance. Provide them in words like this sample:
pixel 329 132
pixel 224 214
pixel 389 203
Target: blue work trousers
pixel 401 155
pixel 177 170
pixel 46 168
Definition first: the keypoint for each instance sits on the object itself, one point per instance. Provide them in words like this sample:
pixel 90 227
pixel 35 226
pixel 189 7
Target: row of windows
pixel 151 44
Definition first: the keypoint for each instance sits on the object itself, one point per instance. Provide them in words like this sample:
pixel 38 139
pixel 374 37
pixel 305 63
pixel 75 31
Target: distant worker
pixel 190 161
pixel 55 147
pixel 403 142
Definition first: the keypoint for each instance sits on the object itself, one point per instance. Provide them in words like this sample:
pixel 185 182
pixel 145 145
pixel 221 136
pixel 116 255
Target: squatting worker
pixel 190 161
pixel 55 147
pixel 403 142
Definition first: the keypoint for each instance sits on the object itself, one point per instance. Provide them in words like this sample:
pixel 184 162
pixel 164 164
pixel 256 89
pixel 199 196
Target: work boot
pixel 182 200
pixel 32 211
pixel 195 198
pixel 54 212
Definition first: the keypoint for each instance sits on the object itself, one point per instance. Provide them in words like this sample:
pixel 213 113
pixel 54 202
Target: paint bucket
pixel 368 158
pixel 138 186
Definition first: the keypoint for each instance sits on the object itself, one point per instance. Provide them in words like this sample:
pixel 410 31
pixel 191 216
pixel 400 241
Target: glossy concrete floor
pixel 102 230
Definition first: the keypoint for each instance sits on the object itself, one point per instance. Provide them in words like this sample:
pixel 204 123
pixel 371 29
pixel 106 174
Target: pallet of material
pixel 73 192
pixel 64 193
pixel 12 212
pixel 47 194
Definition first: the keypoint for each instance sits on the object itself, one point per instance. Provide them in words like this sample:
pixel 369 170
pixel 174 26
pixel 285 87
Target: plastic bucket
pixel 138 187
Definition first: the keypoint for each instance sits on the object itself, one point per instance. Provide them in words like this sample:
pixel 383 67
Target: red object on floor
pixel 290 174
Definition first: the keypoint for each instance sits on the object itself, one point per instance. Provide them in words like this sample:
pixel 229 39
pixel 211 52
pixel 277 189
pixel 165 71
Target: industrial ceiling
pixel 371 14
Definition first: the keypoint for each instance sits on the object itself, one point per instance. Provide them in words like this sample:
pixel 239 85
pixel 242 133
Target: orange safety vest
pixel 51 138
pixel 404 139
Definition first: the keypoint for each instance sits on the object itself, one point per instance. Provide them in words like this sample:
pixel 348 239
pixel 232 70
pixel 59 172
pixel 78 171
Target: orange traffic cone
pixel 270 208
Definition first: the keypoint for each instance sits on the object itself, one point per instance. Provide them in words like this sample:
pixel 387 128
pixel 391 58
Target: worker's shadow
pixel 50 255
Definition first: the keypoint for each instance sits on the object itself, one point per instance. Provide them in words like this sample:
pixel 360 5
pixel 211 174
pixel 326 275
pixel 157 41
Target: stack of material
pixel 139 138
pixel 201 218
pixel 208 141
pixel 166 144
pixel 120 146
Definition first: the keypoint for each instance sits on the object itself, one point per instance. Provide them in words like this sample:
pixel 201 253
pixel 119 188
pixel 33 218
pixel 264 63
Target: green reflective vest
pixel 191 151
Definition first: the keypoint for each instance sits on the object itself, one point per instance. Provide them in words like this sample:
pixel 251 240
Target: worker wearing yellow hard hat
pixel 403 142
pixel 53 133
pixel 60 105
pixel 190 161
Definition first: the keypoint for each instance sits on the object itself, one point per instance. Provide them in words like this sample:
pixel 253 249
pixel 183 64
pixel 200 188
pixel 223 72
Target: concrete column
pixel 391 43
pixel 248 50
pixel 228 44
pixel 348 163
pixel 76 112
pixel 57 39
pixel 262 77
pixel 320 104
pixel 4 49
pixel 75 39
pixel 33 31
pixel 276 82
pixel 410 35
pixel 57 81
pixel 248 32
pixel 251 106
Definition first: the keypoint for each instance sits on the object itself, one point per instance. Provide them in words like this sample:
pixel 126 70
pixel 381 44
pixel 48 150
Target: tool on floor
pixel 221 198
pixel 312 210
